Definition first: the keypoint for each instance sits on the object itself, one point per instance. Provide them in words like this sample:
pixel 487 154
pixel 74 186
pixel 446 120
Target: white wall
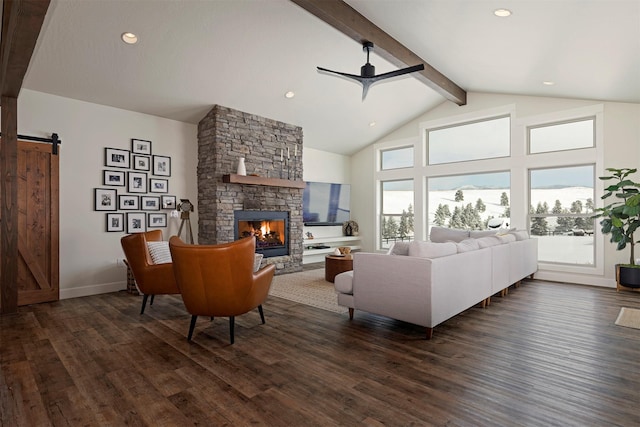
pixel 88 254
pixel 621 149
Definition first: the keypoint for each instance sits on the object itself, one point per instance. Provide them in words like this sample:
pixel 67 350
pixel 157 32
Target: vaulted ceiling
pixel 246 54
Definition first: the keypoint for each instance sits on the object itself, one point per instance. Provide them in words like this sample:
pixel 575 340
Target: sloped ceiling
pixel 245 54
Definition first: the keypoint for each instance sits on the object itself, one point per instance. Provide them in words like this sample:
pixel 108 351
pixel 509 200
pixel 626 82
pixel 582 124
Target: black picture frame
pixel 158 185
pixel 114 178
pixel 156 220
pixel 150 203
pixel 136 222
pixel 141 163
pixel 169 202
pixel 137 182
pixel 161 166
pixel 117 158
pixel 104 199
pixel 140 146
pixel 128 202
pixel 115 222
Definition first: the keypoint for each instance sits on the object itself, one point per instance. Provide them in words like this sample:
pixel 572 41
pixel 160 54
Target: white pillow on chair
pixel 160 253
pixel 257 260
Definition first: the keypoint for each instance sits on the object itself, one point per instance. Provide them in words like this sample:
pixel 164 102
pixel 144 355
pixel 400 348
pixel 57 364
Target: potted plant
pixel 621 218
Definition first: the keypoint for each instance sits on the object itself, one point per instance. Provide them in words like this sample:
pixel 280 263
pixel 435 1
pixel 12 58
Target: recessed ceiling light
pixel 372 124
pixel 548 83
pixel 289 94
pixel 129 38
pixel 502 13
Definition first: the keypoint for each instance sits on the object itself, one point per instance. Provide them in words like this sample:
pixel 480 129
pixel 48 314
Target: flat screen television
pixel 325 203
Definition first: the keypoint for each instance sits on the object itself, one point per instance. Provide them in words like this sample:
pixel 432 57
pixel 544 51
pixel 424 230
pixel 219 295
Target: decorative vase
pixel 348 230
pixel 242 170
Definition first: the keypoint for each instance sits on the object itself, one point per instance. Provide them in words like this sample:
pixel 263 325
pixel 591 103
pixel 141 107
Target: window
pixel 478 140
pixel 562 136
pixel 396 158
pixel 561 203
pixel 473 202
pixel 396 222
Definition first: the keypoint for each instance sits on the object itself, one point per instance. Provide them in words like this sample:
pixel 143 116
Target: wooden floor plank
pixel 544 354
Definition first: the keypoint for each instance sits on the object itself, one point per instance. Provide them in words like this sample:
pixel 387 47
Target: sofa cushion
pixel 432 250
pixel 159 252
pixel 399 248
pixel 520 234
pixel 443 234
pixel 467 245
pixel 476 234
pixel 343 282
pixel 488 241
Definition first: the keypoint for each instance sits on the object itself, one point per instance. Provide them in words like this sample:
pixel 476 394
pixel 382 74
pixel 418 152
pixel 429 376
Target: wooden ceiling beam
pixel 347 20
pixel 21 24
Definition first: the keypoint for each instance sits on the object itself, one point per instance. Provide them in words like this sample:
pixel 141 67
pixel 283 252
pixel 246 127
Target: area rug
pixel 629 318
pixel 309 288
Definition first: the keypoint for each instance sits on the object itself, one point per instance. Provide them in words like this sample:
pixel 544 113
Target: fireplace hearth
pixel 270 229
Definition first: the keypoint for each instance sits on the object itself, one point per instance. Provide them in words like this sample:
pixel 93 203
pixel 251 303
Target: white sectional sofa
pixel 426 283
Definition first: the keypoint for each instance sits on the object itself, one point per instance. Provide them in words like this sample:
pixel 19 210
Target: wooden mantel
pixel 259 180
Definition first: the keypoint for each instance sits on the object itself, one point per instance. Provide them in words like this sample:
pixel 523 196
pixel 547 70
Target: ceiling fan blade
pixel 400 72
pixel 351 76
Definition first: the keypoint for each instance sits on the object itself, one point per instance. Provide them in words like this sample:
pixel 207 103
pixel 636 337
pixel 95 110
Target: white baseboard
pixel 555 276
pixel 84 291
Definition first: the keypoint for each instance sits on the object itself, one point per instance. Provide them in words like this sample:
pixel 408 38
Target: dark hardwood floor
pixel 545 355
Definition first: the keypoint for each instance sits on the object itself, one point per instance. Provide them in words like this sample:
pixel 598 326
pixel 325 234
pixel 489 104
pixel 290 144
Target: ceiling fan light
pixel 290 94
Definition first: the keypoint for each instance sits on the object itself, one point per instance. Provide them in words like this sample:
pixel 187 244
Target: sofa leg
pixel 488 301
pixel 483 303
pixel 503 293
pixel 429 333
pixel 350 313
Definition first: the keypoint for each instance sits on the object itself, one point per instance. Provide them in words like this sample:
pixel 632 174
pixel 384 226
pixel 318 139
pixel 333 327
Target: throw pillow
pixel 476 234
pixel 506 238
pixel 399 248
pixel 520 234
pixel 159 251
pixel 467 245
pixel 431 249
pixel 488 241
pixel 443 234
pixel 257 260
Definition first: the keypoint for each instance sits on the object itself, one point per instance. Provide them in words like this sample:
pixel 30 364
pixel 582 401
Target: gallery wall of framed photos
pixel 135 189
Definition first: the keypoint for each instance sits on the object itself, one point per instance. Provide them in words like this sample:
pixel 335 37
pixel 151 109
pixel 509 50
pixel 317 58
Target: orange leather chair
pixel 152 279
pixel 218 280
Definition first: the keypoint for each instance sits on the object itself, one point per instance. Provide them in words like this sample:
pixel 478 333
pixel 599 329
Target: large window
pixel 397 219
pixel 562 136
pixel 474 202
pixel 561 203
pixel 484 139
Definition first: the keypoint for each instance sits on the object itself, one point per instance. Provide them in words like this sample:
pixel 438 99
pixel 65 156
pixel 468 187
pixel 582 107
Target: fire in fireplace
pixel 269 228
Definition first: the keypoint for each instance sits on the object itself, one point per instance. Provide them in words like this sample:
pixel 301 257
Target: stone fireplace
pixel 273 157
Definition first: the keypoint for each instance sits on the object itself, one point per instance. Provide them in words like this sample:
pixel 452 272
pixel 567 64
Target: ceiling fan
pixel 368 72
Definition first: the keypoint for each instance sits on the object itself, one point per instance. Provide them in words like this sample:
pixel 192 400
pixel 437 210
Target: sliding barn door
pixel 38 234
